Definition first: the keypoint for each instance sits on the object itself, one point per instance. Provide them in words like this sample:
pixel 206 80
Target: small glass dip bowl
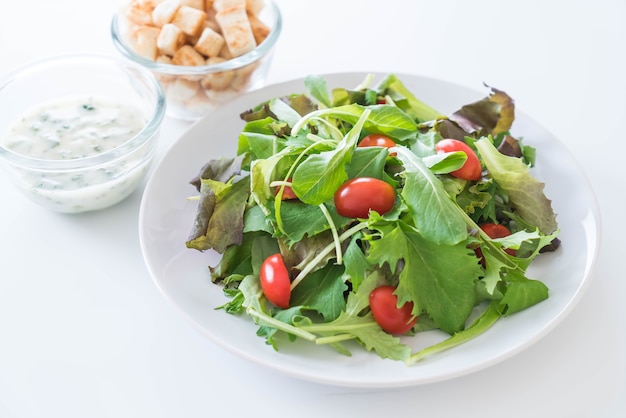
pixel 78 132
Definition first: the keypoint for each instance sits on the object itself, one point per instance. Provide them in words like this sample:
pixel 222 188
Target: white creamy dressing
pixel 72 128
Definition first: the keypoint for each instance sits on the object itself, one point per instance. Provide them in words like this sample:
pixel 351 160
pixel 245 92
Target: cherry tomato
pixel 357 196
pixel 472 169
pixel 494 231
pixel 384 306
pixel 275 281
pixel 288 193
pixel 498 231
pixel 377 140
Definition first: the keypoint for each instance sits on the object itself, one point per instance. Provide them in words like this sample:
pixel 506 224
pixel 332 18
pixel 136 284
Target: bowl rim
pixel 140 73
pixel 262 50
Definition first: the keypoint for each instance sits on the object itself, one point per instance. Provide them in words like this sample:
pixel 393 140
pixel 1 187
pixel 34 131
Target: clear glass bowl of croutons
pixel 204 52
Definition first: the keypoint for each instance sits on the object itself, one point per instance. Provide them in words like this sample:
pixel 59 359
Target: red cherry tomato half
pixel 384 306
pixel 377 140
pixel 471 169
pixel 356 197
pixel 275 281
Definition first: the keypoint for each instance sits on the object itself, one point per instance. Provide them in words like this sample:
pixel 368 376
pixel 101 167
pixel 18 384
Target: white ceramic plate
pixel 181 274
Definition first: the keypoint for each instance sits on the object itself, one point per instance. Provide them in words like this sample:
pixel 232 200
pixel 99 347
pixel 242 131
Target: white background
pixel 85 333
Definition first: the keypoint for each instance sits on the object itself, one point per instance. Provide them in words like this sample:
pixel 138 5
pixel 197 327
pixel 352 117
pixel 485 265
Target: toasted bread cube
pixel 219 80
pixel 187 55
pixel 225 53
pixel 254 7
pixel 210 43
pixel 146 44
pixel 236 30
pixel 243 76
pixel 170 39
pixel 148 4
pixel 211 22
pixel 164 12
pixel 220 5
pixel 196 4
pixel 182 89
pixel 259 29
pixel 189 20
pixel 138 14
pixel 208 5
pixel 221 96
pixel 199 103
pixel 164 59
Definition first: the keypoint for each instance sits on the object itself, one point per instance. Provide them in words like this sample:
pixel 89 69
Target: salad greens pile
pixel 426 246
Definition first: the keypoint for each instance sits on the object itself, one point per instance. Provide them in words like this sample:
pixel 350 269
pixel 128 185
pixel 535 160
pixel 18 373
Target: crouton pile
pixel 197 33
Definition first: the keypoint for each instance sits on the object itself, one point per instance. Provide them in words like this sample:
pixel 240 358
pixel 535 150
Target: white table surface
pixel 84 332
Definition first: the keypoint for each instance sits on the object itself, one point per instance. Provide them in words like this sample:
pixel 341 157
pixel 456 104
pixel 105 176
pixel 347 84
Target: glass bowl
pixel 194 82
pixel 78 132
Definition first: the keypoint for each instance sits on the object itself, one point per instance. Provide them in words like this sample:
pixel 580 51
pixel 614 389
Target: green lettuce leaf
pixel 526 193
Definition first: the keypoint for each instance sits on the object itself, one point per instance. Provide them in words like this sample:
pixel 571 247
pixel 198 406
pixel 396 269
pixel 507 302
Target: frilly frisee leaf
pixel 434 213
pixel 526 193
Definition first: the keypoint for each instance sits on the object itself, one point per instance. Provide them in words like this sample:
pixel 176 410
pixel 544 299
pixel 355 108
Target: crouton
pixel 163 59
pixel 189 20
pixel 259 29
pixel 210 43
pixel 243 76
pixel 199 103
pixel 170 39
pixel 182 89
pixel 146 44
pixel 164 12
pixel 236 30
pixel 220 5
pixel 254 7
pixel 219 80
pixel 225 53
pixel 138 14
pixel 187 55
pixel 196 4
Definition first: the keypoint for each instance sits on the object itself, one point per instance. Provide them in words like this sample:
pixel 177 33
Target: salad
pixel 363 214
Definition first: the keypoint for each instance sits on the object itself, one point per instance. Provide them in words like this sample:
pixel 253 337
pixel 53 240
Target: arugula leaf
pixel 434 213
